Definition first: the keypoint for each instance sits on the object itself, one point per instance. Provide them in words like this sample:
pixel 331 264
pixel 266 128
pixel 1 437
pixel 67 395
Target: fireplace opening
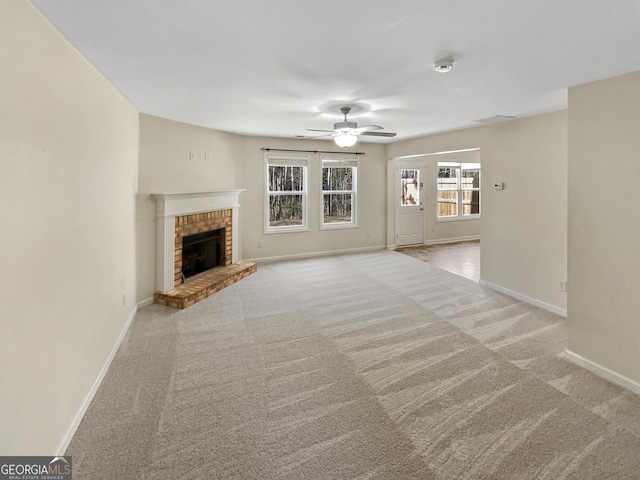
pixel 201 252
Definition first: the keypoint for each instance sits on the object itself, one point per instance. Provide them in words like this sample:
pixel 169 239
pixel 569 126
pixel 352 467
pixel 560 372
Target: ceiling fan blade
pixel 303 137
pixel 359 130
pixel 314 130
pixel 379 134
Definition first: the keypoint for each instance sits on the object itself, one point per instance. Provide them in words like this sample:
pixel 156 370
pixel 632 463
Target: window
pixel 286 193
pixel 339 181
pixel 458 190
pixel 410 186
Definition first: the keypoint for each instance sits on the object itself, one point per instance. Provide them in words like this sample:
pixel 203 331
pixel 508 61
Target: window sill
pixel 337 226
pixel 285 230
pixel 458 219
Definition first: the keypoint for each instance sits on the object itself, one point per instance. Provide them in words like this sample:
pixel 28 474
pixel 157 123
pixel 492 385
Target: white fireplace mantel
pixel 172 205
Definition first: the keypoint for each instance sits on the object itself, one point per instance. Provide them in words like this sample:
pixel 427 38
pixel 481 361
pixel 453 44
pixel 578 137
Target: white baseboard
pixel 315 254
pixel 87 401
pixel 533 301
pixel 438 241
pixel 452 240
pixel 145 303
pixel 603 372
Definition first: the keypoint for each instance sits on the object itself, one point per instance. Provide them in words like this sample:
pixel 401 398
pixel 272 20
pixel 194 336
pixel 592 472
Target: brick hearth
pixel 204 285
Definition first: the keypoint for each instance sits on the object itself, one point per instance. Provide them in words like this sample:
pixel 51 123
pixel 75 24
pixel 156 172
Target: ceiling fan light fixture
pixel 443 66
pixel 345 133
pixel 345 139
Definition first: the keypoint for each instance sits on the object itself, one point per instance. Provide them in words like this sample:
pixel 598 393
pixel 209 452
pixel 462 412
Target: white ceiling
pixel 276 67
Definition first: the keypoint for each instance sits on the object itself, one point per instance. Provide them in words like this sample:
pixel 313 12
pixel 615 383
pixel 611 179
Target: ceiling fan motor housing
pixel 345 125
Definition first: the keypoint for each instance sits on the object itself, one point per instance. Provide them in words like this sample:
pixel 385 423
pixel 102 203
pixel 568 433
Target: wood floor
pixel 461 258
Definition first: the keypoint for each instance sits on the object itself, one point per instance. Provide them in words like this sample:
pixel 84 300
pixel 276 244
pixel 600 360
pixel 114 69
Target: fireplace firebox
pixel 201 252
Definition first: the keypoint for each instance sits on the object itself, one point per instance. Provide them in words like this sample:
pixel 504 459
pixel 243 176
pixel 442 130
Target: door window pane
pixel 410 186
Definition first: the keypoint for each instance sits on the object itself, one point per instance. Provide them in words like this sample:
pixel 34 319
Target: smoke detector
pixel 443 66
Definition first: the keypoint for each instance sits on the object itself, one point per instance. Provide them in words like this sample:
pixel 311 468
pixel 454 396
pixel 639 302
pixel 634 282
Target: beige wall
pixel 371 203
pixel 68 156
pixel 523 227
pixel 604 230
pixel 166 165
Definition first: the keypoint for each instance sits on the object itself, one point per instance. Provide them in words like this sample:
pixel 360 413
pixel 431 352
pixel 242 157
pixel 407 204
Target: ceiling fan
pixel 345 133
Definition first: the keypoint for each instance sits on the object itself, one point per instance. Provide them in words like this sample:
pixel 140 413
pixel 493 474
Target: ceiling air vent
pixel 495 119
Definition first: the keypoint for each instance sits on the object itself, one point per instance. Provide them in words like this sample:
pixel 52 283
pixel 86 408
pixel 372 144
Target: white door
pixel 409 203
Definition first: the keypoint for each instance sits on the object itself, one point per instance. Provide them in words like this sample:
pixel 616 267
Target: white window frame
pixel 338 162
pixel 461 167
pixel 285 160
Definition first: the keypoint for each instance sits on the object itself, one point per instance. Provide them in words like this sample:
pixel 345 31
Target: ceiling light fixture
pixel 443 66
pixel 345 139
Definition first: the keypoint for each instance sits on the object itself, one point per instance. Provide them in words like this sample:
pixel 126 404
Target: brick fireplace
pixel 181 215
pixel 187 225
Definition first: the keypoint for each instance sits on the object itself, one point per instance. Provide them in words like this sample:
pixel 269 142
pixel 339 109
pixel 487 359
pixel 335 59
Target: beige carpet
pixel 364 366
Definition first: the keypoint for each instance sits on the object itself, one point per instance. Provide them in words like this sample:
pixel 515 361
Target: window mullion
pixel 459 197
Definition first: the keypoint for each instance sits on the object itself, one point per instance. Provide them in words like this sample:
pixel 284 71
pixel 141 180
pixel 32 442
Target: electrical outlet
pixel 562 286
pixel 259 243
